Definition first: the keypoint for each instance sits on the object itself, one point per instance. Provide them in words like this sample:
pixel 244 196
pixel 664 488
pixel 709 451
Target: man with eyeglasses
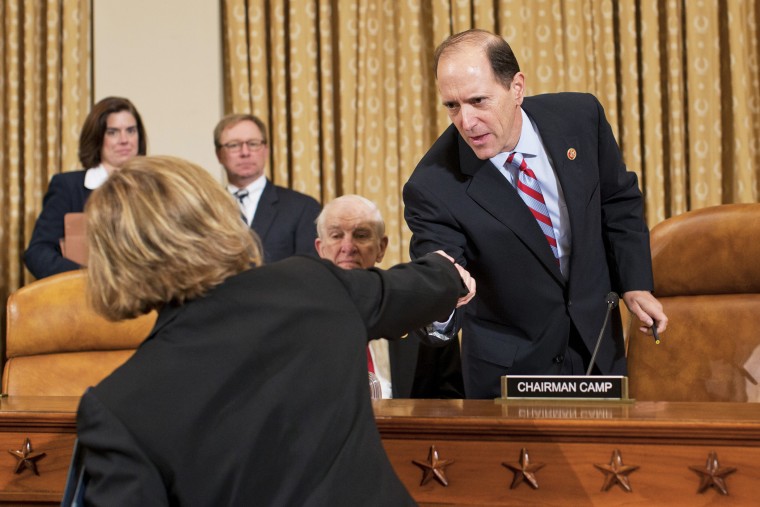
pixel 283 218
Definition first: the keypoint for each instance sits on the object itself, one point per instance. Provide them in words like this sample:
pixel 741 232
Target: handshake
pixel 467 280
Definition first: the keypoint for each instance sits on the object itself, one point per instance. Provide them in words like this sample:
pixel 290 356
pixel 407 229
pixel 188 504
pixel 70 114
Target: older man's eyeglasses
pixel 236 146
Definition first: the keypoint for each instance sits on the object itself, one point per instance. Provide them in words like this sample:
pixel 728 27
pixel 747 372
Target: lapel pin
pixel 571 154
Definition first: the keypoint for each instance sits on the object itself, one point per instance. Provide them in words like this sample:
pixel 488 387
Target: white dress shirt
pixel 378 349
pixel 95 176
pixel 532 149
pixel 251 201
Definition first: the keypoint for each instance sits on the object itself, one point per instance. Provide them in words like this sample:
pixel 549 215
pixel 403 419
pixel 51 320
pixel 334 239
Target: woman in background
pixel 112 134
pixel 252 387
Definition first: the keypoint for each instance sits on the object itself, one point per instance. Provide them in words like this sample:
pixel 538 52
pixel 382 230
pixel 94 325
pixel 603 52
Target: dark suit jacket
pixel 66 194
pixel 285 222
pixel 421 371
pixel 256 394
pixel 524 312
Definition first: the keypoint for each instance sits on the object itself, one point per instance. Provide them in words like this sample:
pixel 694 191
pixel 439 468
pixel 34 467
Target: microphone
pixel 612 302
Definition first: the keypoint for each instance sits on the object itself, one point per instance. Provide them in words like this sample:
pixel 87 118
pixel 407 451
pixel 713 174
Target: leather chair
pixel 56 345
pixel 707 276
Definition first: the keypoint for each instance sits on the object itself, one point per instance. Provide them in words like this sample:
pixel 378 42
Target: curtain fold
pixel 45 90
pixel 347 90
pixel 44 97
pixel 743 58
pixel 678 81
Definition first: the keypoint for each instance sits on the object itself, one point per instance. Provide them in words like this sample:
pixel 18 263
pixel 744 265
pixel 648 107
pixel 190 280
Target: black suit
pixel 421 371
pixel 285 222
pixel 256 394
pixel 66 194
pixel 525 313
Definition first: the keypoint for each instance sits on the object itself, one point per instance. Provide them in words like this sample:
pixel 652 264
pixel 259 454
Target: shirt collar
pixel 256 186
pixel 95 176
pixel 528 144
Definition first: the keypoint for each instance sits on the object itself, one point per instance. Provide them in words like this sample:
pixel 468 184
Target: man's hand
pixel 645 306
pixel 467 280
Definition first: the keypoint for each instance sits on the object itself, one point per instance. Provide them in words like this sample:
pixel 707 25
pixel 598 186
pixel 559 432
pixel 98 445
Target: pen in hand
pixel 654 332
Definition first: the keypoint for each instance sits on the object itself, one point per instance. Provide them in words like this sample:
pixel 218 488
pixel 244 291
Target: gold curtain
pixel 691 102
pixel 45 90
pixel 347 88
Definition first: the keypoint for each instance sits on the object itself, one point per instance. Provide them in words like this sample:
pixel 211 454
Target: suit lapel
pixel 266 211
pixel 570 178
pixel 491 191
pixel 569 172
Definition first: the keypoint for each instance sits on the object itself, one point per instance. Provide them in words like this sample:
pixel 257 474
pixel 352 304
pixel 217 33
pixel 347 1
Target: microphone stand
pixel 612 302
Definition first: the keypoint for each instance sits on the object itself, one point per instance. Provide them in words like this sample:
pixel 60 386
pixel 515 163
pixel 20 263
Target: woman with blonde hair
pixel 252 387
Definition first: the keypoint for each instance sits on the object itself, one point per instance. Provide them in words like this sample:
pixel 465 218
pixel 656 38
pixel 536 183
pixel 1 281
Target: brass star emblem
pixel 616 472
pixel 713 475
pixel 433 467
pixel 26 458
pixel 526 472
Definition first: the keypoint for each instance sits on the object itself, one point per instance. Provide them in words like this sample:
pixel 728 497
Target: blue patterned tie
pixel 241 195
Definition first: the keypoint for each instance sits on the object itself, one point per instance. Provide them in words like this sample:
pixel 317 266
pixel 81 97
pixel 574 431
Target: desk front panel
pixel 485 441
pixel 50 427
pixel 652 447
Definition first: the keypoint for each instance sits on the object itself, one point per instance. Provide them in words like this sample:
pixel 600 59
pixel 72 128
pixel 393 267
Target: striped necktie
pixel 530 191
pixel 240 195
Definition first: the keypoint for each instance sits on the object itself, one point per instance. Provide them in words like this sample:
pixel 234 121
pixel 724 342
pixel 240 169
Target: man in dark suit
pixel 532 196
pixel 283 218
pixel 351 234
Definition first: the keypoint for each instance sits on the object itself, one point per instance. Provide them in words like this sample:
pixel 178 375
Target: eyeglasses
pixel 236 146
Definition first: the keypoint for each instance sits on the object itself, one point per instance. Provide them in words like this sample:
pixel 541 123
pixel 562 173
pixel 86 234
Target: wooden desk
pixel 49 424
pixel 662 439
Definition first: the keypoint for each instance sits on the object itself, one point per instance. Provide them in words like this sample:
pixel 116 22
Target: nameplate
pixel 564 387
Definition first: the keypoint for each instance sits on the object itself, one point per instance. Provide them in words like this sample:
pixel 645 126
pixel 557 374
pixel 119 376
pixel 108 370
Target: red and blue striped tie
pixel 530 192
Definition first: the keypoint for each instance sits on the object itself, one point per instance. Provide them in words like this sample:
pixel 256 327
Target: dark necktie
pixel 530 191
pixel 241 195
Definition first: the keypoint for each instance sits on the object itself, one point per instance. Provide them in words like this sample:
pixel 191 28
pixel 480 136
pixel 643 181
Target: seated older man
pixel 351 234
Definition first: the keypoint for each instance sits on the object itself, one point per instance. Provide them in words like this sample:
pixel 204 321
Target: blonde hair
pixel 162 230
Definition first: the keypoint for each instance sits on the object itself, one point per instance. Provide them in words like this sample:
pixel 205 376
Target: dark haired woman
pixel 112 134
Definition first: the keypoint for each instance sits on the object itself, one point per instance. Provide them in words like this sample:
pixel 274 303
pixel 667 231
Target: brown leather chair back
pixel 707 276
pixel 56 345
